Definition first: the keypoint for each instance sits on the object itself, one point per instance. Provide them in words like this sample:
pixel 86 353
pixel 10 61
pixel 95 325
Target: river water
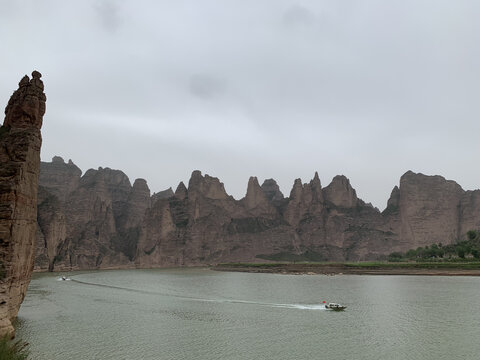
pixel 204 314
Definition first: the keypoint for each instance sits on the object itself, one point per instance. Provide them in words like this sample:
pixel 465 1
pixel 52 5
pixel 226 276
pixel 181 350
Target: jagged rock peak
pixel 272 190
pixel 315 182
pixel 207 185
pixel 165 194
pixel 415 182
pixel 58 160
pixel 116 177
pixel 296 192
pixel 59 164
pixel 26 106
pixel 315 187
pixel 140 190
pixel 394 200
pixel 181 191
pixel 255 195
pixel 196 178
pixel 109 176
pixel 412 177
pixel 253 181
pixel 59 178
pixel 340 192
pixel 141 184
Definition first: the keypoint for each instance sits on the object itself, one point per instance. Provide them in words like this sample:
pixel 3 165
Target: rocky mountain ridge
pixel 101 220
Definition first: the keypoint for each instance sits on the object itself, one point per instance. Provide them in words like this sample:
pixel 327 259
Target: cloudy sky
pixel 268 88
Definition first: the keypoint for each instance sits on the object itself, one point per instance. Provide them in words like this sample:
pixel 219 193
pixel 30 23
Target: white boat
pixel 335 307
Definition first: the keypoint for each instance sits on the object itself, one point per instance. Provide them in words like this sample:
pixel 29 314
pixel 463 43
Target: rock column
pixel 20 142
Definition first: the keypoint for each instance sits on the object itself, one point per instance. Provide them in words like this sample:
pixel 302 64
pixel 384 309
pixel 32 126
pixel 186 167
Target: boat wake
pixel 221 301
pixel 304 307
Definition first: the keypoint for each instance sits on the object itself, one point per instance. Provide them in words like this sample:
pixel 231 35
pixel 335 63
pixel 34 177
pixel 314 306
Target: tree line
pixel 463 249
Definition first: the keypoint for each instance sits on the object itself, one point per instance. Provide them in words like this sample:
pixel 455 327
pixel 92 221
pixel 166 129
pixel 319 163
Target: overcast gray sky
pixel 268 88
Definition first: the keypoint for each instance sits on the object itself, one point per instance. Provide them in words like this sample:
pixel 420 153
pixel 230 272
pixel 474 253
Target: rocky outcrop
pixel 62 178
pixel 165 194
pixel 20 142
pixel 272 191
pixel 426 210
pixel 256 201
pixel 340 193
pixel 105 222
pixel 201 224
pixel 90 221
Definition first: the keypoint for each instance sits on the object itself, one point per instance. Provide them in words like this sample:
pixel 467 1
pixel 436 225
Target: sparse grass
pixel 13 350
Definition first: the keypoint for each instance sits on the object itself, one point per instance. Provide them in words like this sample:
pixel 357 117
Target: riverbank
pixel 367 268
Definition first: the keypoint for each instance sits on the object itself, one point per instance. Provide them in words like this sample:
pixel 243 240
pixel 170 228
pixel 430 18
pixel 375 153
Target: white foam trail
pixel 303 306
pixel 221 301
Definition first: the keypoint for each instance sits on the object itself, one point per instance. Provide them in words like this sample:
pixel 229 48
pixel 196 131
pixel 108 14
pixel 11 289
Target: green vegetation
pixel 466 250
pixel 13 350
pixel 463 255
pixel 471 265
pixel 367 265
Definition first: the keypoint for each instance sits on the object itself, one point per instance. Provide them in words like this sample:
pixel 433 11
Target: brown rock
pixel 256 202
pixel 469 212
pixel 165 194
pixel 304 199
pixel 428 210
pixel 101 216
pixel 26 106
pixel 181 192
pixel 340 192
pixel 272 191
pixel 20 142
pixel 111 224
pixel 62 179
pixel 208 186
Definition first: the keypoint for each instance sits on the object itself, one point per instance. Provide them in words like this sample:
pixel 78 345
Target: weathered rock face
pixel 165 194
pixel 427 210
pixel 20 142
pixel 340 193
pixel 272 191
pixel 105 222
pixel 90 221
pixel 62 178
pixel 202 225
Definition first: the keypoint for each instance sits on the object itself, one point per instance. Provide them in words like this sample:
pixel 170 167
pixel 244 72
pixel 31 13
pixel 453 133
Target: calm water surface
pixel 203 314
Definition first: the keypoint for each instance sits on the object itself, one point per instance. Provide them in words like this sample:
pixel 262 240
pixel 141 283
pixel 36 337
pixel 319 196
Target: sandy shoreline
pixel 307 269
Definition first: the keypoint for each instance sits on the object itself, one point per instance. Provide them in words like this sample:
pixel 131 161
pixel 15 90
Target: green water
pixel 203 314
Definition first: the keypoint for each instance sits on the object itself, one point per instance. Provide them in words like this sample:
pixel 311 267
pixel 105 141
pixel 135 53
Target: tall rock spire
pixel 20 142
pixel 26 106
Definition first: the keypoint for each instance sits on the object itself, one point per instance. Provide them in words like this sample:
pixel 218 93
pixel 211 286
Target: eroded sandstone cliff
pixel 90 221
pixel 20 142
pixel 101 221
